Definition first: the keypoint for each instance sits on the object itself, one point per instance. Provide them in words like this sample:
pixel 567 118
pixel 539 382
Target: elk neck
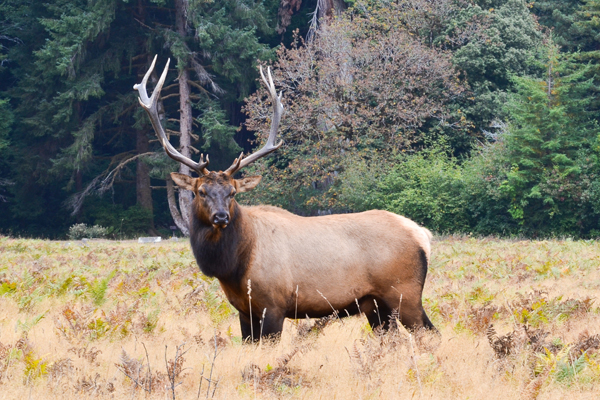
pixel 222 253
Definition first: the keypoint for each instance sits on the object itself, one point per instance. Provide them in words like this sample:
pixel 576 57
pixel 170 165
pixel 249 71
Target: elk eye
pixel 202 194
pixel 232 194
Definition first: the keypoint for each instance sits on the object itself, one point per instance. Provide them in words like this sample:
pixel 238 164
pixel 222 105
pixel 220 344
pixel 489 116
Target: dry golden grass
pixel 121 320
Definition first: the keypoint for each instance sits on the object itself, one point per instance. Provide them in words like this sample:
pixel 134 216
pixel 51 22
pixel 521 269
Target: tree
pixel 78 128
pixel 558 15
pixel 362 86
pixel 509 44
pixel 490 40
pixel 550 137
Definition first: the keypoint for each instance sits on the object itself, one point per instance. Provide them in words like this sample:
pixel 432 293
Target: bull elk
pixel 266 258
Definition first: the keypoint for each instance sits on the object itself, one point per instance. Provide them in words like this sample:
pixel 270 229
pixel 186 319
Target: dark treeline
pixel 473 116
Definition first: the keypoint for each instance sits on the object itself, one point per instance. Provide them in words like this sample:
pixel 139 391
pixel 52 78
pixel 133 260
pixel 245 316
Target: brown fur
pixel 346 262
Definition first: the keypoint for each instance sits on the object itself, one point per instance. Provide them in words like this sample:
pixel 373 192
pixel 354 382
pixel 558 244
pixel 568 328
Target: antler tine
pixel 141 87
pixel 151 107
pixel 269 147
pixel 202 164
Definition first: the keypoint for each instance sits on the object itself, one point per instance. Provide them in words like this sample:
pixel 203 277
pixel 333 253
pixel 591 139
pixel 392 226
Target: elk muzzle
pixel 220 219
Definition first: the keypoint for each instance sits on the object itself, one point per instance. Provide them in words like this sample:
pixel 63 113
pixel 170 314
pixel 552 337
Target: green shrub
pixel 80 231
pixel 123 223
pixel 426 187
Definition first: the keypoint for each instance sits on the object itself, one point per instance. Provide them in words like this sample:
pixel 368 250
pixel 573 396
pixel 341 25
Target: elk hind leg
pixel 410 311
pixel 378 313
pixel 250 328
pixel 271 325
pixel 415 318
pixel 427 322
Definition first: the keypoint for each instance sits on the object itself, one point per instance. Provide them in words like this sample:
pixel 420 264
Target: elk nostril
pixel 221 218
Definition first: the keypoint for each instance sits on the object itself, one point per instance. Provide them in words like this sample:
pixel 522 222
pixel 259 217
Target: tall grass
pixel 119 320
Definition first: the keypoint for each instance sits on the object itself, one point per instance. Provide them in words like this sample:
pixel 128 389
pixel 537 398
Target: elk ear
pixel 247 184
pixel 183 181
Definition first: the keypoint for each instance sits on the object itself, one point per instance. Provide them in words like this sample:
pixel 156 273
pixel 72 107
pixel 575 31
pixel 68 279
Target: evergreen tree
pixel 550 129
pixel 508 43
pixel 558 15
pixel 78 125
pixel 585 37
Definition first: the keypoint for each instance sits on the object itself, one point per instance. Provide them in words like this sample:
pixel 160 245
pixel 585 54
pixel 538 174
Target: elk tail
pixel 428 233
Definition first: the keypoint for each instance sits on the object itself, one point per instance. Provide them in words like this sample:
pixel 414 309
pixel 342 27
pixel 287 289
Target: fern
pixel 98 288
pixel 218 309
pixel 27 325
pixel 34 367
pixel 567 371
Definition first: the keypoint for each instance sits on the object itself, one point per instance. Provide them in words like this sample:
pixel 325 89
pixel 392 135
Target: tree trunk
pixel 185 140
pixel 185 113
pixel 331 8
pixel 142 178
pixel 179 222
pixel 175 214
pixel 324 8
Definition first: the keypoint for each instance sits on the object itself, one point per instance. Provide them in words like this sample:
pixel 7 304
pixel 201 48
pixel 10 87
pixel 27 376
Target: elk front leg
pixel 269 327
pixel 250 331
pixel 272 325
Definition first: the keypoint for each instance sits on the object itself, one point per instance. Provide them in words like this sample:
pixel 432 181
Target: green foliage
pixel 537 179
pixel 26 325
pixel 507 43
pixel 151 321
pixel 122 223
pixel 6 120
pixel 567 370
pixel 548 151
pixel 217 133
pixel 425 187
pixel 80 231
pixel 98 287
pixel 68 67
pixel 360 111
pixel 229 31
pixel 7 287
pixel 34 367
pixel 219 309
pixel 359 91
pixel 545 310
pixel 557 15
pixel 564 369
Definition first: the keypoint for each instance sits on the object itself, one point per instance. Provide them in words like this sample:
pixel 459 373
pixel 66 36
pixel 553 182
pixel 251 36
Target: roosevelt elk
pixel 269 259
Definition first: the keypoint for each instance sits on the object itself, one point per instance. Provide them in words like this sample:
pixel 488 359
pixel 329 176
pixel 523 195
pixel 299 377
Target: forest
pixel 477 117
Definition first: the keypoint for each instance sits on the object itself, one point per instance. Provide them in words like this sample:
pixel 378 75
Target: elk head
pixel 214 191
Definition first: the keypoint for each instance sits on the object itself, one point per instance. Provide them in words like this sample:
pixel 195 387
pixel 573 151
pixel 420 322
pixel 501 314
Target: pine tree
pixel 550 126
pixel 558 15
pixel 78 127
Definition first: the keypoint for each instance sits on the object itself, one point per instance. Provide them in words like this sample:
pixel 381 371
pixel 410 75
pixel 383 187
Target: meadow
pixel 518 319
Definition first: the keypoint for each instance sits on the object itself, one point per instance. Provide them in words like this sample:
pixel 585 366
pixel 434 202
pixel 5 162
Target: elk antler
pixel 151 107
pixel 270 146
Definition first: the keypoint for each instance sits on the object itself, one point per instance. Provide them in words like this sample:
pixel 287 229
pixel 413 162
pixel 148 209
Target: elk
pixel 273 264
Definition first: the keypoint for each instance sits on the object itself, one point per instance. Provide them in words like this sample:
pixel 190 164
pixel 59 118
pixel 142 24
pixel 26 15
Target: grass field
pixel 122 320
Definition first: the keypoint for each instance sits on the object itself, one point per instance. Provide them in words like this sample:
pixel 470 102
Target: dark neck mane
pixel 222 253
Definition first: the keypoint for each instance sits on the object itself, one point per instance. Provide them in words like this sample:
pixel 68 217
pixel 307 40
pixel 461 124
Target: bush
pixel 80 231
pixel 124 223
pixel 426 187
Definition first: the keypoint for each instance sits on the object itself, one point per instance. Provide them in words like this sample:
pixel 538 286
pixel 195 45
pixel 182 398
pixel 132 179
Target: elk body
pixel 274 265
